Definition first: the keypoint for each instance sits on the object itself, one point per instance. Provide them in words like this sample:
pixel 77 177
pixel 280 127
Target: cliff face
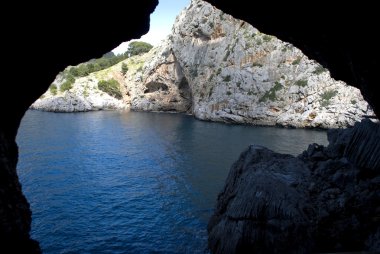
pixel 324 32
pixel 237 74
pixel 223 69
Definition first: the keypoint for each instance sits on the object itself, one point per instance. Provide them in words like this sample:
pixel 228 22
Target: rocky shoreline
pixel 221 69
pixel 324 200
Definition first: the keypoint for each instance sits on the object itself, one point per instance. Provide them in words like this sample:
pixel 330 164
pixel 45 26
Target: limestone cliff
pixel 237 74
pixel 223 69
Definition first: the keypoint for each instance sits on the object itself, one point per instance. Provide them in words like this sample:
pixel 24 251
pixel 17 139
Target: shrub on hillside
pixel 111 87
pixel 138 47
pixel 67 85
pixel 124 68
pixel 53 89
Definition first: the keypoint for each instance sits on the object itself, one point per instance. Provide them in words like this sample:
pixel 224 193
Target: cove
pixel 128 182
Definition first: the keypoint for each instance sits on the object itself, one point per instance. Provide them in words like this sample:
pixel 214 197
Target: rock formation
pixel 326 33
pixel 83 96
pixel 342 43
pixel 223 69
pixel 324 200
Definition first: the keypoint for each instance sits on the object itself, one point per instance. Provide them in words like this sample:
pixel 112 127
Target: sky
pixel 161 22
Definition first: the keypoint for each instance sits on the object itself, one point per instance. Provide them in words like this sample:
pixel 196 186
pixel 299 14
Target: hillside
pixel 221 69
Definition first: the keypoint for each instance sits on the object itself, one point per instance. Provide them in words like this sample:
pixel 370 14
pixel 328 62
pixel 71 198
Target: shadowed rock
pixel 324 200
pixel 264 206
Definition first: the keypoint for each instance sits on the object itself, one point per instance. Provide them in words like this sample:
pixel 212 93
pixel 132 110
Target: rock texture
pixel 324 32
pixel 330 40
pixel 237 74
pixel 264 206
pixel 324 200
pixel 223 69
pixel 83 96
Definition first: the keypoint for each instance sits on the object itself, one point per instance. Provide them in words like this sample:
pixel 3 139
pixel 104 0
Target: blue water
pixel 129 182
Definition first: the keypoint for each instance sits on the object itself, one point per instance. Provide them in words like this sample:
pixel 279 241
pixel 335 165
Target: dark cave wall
pixel 339 36
pixel 40 40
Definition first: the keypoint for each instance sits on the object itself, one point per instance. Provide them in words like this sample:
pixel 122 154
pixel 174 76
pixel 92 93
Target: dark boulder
pixel 325 200
pixel 264 207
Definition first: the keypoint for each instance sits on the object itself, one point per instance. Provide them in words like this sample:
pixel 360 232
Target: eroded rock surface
pixel 324 200
pixel 222 69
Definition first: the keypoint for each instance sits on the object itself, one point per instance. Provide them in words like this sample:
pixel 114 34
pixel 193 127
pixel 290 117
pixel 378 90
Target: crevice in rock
pixel 185 93
pixel 152 87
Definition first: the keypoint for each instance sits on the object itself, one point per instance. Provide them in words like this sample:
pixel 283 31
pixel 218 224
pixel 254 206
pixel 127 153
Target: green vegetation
pixel 112 87
pixel 107 60
pixel 327 96
pixel 67 85
pixel 227 54
pixel 227 78
pixel 124 68
pixel 271 94
pixel 297 61
pixel 53 89
pixel 137 48
pixel 85 91
pixel 70 78
pixel 94 65
pixel 319 69
pixel 255 64
pixel 267 38
pixel 218 71
pixel 301 82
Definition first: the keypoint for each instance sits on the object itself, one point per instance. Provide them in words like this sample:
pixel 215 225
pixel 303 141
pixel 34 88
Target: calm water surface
pixel 128 182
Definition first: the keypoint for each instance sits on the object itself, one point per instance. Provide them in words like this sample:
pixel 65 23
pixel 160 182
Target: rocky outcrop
pixel 324 33
pixel 158 84
pixel 237 74
pixel 223 69
pixel 83 96
pixel 324 200
pixel 263 207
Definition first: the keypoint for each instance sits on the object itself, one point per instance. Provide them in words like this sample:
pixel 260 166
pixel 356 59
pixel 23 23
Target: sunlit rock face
pixel 222 69
pixel 83 96
pixel 237 74
pixel 324 32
